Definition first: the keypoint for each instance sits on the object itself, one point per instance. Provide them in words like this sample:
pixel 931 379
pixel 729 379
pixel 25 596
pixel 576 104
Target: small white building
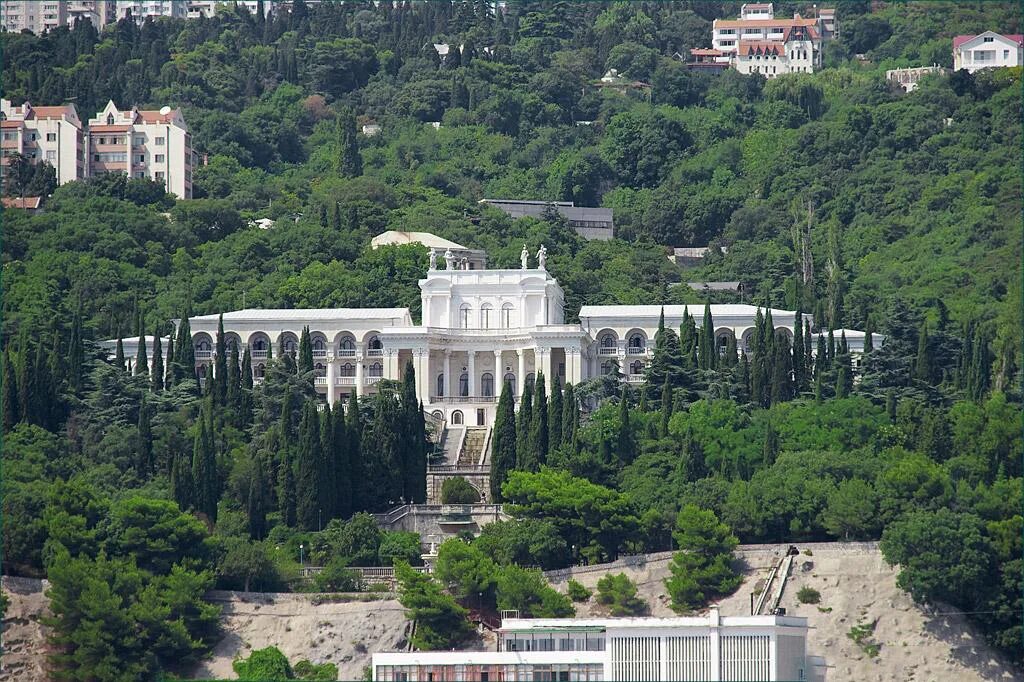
pixel 987 50
pixel 709 647
pixel 909 78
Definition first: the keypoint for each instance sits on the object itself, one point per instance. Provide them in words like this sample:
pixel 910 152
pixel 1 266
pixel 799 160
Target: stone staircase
pixel 473 447
pixel 451 443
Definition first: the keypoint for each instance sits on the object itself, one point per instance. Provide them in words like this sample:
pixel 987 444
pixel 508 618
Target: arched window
pixel 259 343
pixel 485 315
pixel 506 316
pixel 289 345
pixel 530 378
pixel 464 384
pixel 608 343
pixel 636 367
pixel 510 379
pixel 203 346
pixel 487 385
pixel 319 347
pixel 110 119
pixel 375 370
pixel 464 313
pixel 347 370
pixel 440 385
pixel 319 370
pixel 457 418
pixel 437 414
pixel 608 367
pixel 636 341
pixel 374 346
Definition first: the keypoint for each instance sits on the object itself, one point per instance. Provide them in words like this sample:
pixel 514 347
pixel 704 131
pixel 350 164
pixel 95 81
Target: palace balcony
pixel 204 355
pixel 636 350
pixel 463 399
pixel 260 354
pixel 635 378
pixel 375 352
pixel 319 353
pixel 608 350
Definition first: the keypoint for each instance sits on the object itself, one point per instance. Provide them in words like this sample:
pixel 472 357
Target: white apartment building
pixel 480 329
pixel 757 42
pixel 33 15
pixel 140 9
pixel 987 50
pixel 51 134
pixel 712 647
pixel 209 8
pixel 143 144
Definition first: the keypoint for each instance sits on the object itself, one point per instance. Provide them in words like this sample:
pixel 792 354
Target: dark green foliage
pixel 309 478
pixel 263 664
pixel 503 442
pixel 526 456
pixel 205 483
pixel 343 481
pixel 440 622
pixel 555 410
pixel 538 433
pixel 349 162
pixel 577 592
pixel 625 448
pixel 158 363
pixel 701 569
pixel 220 366
pixel 10 394
pixel 618 593
pixel 570 417
pixel 256 503
pixel 457 490
pixel 144 458
pixel 141 367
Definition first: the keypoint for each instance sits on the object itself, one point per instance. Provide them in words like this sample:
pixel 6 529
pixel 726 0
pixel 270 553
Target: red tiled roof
pixel 766 23
pixel 1016 37
pixel 758 5
pixel 156 117
pixel 11 124
pixel 55 112
pixel 28 203
pixel 812 32
pixel 706 52
pixel 766 47
pixel 109 129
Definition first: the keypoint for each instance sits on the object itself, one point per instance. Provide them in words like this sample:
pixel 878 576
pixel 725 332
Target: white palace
pixel 479 327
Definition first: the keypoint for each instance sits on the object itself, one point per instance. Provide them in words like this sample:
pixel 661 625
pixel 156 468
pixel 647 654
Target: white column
pixel 422 367
pixel 471 368
pixel 521 375
pixel 542 364
pixel 573 360
pixel 499 374
pixel 359 373
pixel 331 381
pixel 448 373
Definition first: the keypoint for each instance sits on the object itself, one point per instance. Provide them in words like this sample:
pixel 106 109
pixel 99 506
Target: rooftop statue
pixel 524 256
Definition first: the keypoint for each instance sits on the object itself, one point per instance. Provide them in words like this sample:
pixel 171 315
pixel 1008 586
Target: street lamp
pixel 301 547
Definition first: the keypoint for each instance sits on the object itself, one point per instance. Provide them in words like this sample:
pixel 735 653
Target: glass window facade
pixel 522 672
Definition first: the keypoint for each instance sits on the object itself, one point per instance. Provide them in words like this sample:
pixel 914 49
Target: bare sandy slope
pixel 857 587
pixel 24 637
pixel 344 634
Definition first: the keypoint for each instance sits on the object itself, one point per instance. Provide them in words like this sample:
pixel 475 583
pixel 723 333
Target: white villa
pixel 710 647
pixel 479 328
pixel 987 50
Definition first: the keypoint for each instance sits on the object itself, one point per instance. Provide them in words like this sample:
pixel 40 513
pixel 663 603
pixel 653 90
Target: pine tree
pixel 220 368
pixel 141 362
pixel 44 397
pixel 328 481
pixel 305 359
pixel 10 394
pixel 342 475
pixel 770 452
pixel 256 505
pixel 349 163
pixel 503 442
pixel 923 365
pixel 625 446
pixel 526 457
pixel 980 365
pixel 144 456
pixel 119 354
pixel 666 409
pixel 357 471
pixel 158 363
pixel 668 359
pixel 570 417
pixel 555 409
pixel 539 421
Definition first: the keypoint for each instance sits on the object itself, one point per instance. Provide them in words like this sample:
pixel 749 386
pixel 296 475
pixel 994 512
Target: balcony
pixel 260 354
pixel 636 350
pixel 375 352
pixel 464 399
pixel 204 355
pixel 635 378
pixel 608 350
pixel 347 353
pixel 319 354
pixel 344 381
pixel 370 381
pixel 319 381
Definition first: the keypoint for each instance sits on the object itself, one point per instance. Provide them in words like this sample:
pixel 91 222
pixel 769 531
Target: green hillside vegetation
pixel 834 193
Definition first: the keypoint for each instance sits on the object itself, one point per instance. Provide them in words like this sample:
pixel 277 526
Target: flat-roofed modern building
pixel 589 223
pixel 712 647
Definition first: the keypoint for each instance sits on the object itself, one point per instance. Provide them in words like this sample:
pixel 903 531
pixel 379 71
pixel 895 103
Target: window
pixel 487 385
pixel 51 155
pixel 159 158
pixel 140 174
pixel 636 367
pixel 1006 54
pixel 510 379
pixel 485 316
pixel 375 370
pixel 10 136
pixel 348 370
pixel 159 142
pixel 464 313
pixel 140 158
pixel 347 347
pixel 139 140
pixel 440 386
pixel 51 137
pixel 987 39
pixel 457 418
pixel 464 385
pixel 159 175
pixel 33 136
pixel 506 316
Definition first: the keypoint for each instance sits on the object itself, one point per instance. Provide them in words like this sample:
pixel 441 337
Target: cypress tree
pixel 688 340
pixel 798 352
pixel 354 441
pixel 808 355
pixel 204 469
pixel 349 163
pixel 869 336
pixel 830 359
pixel 44 398
pixel 287 424
pixel 817 388
pixel 182 483
pixel 413 455
pixel 821 358
pixel 923 365
pixel 526 457
pixel 731 354
pixel 141 361
pixel 10 393
pixel 286 487
pixel 570 416
pixel 185 368
pixel 707 341
pixel 770 452
pixel 743 377
pixel 844 347
pixel 308 480
pixel 539 421
pixel 890 405
pixel 692 462
pixel 256 505
pixel 980 365
pixel 342 475
pixel 843 381
pixel 760 389
pixel 233 385
pixel 23 377
pixel 119 354
pixel 782 382
pixel 144 456
pixel 844 374
pixel 245 408
pixel 158 363
pixel 305 360
pixel 503 442
pixel 625 448
pixel 555 409
pixel 220 370
pixel 76 352
pixel 327 467
pixel 666 409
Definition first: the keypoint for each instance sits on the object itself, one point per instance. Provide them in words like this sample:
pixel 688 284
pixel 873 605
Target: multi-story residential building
pixel 987 50
pixel 142 144
pixel 757 42
pixel 709 647
pixel 208 8
pixel 50 134
pixel 33 15
pixel 141 9
pixel 589 223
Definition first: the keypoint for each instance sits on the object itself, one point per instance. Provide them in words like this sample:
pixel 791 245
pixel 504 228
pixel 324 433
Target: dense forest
pixel 835 193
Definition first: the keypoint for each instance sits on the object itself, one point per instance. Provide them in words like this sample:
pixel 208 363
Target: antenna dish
pixel 165 110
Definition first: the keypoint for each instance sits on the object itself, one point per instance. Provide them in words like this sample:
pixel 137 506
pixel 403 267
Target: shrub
pixel 305 670
pixel 263 664
pixel 808 595
pixel 457 490
pixel 618 593
pixel 337 577
pixel 577 592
